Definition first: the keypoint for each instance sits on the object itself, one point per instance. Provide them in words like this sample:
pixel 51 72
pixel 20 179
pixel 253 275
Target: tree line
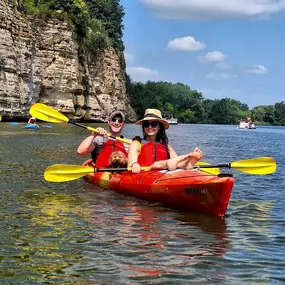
pixel 189 106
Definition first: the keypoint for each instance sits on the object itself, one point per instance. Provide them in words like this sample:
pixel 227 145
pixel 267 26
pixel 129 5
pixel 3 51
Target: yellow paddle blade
pixel 48 114
pixel 69 172
pixel 66 172
pixel 259 165
pixel 214 171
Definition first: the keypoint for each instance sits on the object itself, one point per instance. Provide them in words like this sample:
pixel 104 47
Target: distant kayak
pixel 32 126
pixel 14 123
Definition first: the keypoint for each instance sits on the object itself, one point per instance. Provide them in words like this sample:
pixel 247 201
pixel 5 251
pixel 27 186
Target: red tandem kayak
pixel 189 190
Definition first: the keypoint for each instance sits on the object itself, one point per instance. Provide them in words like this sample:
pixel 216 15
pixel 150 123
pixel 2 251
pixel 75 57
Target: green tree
pixel 97 38
pixel 258 113
pixel 269 114
pixel 98 23
pixel 279 114
pixel 187 116
pixel 111 14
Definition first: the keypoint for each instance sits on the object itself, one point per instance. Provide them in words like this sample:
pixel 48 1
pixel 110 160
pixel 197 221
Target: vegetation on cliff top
pixel 98 23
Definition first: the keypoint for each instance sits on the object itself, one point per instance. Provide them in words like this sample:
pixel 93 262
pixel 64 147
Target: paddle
pixel 46 126
pixel 211 170
pixel 46 113
pixel 65 172
pixel 259 165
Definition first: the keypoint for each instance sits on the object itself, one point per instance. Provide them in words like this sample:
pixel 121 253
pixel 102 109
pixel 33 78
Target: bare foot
pixel 172 163
pixel 195 156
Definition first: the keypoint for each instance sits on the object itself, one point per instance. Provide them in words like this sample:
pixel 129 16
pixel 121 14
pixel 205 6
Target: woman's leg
pixel 171 163
pixel 182 161
pixel 159 165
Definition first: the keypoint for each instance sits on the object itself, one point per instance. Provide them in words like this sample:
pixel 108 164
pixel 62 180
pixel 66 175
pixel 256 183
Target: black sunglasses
pixel 153 124
pixel 117 119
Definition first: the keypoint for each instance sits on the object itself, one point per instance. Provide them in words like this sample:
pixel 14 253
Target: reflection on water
pixel 41 229
pixel 76 233
pixel 146 238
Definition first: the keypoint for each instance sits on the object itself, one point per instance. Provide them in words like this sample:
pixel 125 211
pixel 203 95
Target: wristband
pixel 133 163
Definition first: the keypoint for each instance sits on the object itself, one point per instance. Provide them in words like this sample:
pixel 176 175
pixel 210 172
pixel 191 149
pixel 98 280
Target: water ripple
pixel 77 233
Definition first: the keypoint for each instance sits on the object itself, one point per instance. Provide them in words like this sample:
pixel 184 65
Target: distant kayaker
pixel 32 121
pixel 153 150
pixel 249 121
pixel 100 146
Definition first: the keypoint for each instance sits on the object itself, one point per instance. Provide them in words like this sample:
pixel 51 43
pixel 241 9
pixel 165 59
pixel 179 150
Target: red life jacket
pixel 107 149
pixel 152 152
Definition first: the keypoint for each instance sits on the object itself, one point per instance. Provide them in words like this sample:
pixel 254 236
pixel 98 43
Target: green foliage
pixel 187 116
pixel 258 113
pixel 96 37
pixel 189 106
pixel 279 114
pixel 111 14
pixel 171 99
pixel 98 23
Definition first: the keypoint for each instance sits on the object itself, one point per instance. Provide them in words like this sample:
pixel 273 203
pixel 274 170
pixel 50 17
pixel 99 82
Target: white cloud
pixel 221 75
pixel 212 56
pixel 214 10
pixel 222 65
pixel 142 74
pixel 256 69
pixel 129 58
pixel 186 44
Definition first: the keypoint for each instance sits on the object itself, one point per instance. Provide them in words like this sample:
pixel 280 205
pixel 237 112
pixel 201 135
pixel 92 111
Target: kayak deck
pixel 32 126
pixel 189 190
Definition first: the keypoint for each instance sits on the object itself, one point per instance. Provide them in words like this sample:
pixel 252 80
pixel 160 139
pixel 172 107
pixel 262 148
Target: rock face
pixel 39 62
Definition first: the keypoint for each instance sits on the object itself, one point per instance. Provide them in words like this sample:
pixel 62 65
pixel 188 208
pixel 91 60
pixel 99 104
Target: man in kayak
pixel 100 146
pixel 153 150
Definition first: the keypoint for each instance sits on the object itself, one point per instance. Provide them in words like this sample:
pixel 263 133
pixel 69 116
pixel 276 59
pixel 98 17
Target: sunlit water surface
pixel 77 233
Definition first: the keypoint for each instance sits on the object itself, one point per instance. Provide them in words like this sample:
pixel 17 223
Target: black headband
pixel 152 115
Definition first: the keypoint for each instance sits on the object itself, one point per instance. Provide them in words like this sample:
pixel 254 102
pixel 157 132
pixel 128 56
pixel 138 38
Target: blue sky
pixel 222 48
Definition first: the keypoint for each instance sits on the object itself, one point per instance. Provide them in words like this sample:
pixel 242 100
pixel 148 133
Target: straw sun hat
pixel 154 115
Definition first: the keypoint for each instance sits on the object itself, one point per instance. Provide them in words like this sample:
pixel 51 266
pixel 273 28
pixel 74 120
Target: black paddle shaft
pixel 226 165
pixel 84 127
pixel 110 169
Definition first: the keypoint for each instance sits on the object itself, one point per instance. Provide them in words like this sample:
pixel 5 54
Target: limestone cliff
pixel 39 63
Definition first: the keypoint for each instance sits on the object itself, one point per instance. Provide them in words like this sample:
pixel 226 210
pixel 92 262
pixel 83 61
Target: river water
pixel 77 233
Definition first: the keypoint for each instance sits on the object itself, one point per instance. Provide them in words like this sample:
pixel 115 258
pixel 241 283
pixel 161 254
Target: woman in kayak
pixel 101 147
pixel 153 150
